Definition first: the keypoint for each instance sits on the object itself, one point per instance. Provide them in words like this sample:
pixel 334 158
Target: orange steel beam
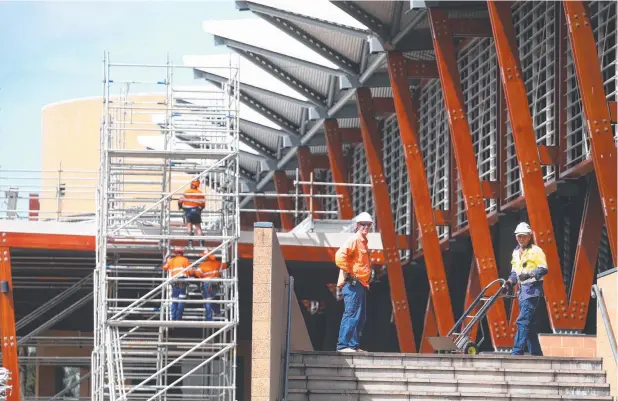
pixel 549 155
pixel 524 139
pixel 305 166
pixel 406 117
pixel 430 328
pixel 585 259
pixel 350 135
pixel 596 112
pixel 7 329
pixel 373 152
pixel 337 167
pixel 383 105
pixel 461 140
pixel 282 185
pixel 421 69
pixel 472 27
pixel 320 161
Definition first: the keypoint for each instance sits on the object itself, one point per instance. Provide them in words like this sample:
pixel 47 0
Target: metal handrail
pixel 598 294
pixel 286 355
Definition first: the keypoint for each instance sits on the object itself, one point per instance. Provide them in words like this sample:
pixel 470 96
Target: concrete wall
pixel 609 286
pixel 270 317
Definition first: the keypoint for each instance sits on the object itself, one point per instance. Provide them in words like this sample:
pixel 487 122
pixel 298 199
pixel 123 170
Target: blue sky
pixel 52 51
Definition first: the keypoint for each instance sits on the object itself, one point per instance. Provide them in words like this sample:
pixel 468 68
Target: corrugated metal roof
pixel 427 55
pixel 263 136
pixel 383 10
pixel 348 122
pixel 382 92
pixel 347 45
pixel 291 111
pixel 259 33
pixel 318 150
pixel 321 9
pixel 315 79
pixel 249 163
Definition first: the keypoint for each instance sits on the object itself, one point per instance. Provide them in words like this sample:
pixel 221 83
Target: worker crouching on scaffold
pixel 192 203
pixel 210 268
pixel 529 268
pixel 177 267
pixel 355 278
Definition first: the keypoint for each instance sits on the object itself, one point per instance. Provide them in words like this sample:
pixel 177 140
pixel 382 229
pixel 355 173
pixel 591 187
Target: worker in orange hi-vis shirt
pixel 177 267
pixel 355 277
pixel 192 203
pixel 210 268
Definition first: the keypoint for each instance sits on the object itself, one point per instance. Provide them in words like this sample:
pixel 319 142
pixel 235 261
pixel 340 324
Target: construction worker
pixel 529 268
pixel 355 276
pixel 210 268
pixel 177 267
pixel 192 203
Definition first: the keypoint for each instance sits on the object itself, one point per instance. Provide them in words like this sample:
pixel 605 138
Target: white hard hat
pixel 364 217
pixel 523 228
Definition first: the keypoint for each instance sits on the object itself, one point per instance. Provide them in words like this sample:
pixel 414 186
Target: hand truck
pixel 460 342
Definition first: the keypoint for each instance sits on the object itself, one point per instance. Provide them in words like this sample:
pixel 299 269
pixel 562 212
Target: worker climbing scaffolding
pixel 192 203
pixel 145 309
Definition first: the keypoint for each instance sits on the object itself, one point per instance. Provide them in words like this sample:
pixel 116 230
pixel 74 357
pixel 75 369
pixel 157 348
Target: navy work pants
pixel 527 336
pixel 353 320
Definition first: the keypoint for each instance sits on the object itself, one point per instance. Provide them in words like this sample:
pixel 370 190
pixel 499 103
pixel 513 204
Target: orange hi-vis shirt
pixel 176 265
pixel 210 268
pixel 192 198
pixel 353 258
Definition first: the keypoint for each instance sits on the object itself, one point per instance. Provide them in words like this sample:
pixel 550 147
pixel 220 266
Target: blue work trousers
pixel 209 293
pixel 179 292
pixel 353 320
pixel 527 336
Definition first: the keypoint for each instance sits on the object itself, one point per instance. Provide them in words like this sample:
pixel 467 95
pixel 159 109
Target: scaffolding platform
pixel 137 353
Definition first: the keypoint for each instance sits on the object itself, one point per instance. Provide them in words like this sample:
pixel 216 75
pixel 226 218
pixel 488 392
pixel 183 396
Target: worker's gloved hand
pixel 346 277
pixel 524 276
pixel 179 205
pixel 507 286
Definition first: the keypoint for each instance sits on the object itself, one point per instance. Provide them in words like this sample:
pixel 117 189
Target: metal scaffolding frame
pixel 139 352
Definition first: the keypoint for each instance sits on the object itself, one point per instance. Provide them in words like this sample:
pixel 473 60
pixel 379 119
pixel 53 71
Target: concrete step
pixel 361 395
pixel 474 386
pixel 483 361
pixel 497 375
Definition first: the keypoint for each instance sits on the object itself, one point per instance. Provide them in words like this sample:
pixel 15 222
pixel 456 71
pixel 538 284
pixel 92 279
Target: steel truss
pixel 152 146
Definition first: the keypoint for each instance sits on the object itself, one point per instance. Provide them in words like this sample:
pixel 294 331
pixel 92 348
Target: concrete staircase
pixel 329 376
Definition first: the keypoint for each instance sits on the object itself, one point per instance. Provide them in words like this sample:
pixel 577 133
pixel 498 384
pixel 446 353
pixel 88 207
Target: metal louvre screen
pixel 362 199
pixel 536 39
pixel 434 137
pixel 478 69
pixel 396 175
pixel 603 19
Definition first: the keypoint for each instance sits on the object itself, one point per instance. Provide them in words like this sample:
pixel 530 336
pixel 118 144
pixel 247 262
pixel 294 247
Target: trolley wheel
pixel 471 348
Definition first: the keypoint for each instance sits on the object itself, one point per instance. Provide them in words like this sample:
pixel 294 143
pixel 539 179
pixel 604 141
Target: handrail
pixel 598 294
pixel 286 355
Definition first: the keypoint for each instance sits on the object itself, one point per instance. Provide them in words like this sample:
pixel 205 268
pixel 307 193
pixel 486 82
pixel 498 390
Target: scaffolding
pixel 160 132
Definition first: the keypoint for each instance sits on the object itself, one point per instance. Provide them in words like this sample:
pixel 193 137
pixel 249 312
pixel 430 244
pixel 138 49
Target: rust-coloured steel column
pixel 585 258
pixel 596 112
pixel 305 167
pixel 384 214
pixel 338 169
pixel 423 209
pixel 282 186
pixel 461 140
pixel 7 329
pixel 527 152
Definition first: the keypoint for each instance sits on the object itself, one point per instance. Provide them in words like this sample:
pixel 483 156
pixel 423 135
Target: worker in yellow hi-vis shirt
pixel 529 268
